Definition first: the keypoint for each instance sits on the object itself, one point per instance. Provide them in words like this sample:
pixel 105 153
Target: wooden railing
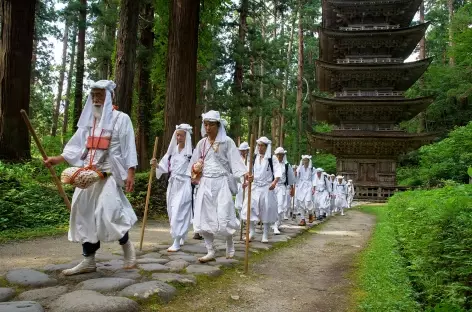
pixel 367 93
pixel 378 193
pixel 369 27
pixel 374 60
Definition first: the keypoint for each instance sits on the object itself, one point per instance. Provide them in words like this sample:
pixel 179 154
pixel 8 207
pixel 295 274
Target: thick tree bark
pixel 421 117
pixel 126 54
pixel 60 84
pixel 16 50
pixel 144 84
pixel 298 107
pixel 70 74
pixel 284 91
pixel 181 89
pixel 450 8
pixel 79 74
pixel 238 72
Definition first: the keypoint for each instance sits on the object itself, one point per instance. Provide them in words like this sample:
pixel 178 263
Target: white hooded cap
pixel 244 146
pixel 106 121
pixel 281 150
pixel 310 164
pixel 266 141
pixel 214 116
pixel 173 148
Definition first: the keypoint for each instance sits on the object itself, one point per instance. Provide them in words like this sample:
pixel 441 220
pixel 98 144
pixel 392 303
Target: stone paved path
pixel 32 282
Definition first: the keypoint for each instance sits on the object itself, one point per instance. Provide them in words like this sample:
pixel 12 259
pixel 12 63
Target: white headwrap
pixel 214 116
pixel 266 141
pixel 244 146
pixel 310 165
pixel 173 148
pixel 280 150
pixel 106 122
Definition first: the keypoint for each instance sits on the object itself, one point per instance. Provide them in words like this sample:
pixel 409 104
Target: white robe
pixel 304 192
pixel 322 191
pixel 179 192
pixel 332 207
pixel 214 207
pixel 281 189
pixel 239 196
pixel 350 194
pixel 340 191
pixel 102 212
pixel 263 200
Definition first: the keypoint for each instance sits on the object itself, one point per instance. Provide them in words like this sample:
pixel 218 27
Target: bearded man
pixel 104 142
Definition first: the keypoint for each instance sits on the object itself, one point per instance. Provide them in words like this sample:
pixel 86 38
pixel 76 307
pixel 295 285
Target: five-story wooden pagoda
pixel 363 47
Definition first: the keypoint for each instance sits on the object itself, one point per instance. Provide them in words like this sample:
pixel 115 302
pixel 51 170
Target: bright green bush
pixel 382 276
pixel 434 229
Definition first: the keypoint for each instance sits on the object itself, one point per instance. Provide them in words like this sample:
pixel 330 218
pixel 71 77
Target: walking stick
pixel 45 156
pixel 248 211
pixel 148 195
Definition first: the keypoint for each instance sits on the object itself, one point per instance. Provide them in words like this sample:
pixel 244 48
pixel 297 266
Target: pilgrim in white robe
pixel 238 203
pixel 102 212
pixel 332 206
pixel 350 194
pixel 322 194
pixel 263 201
pixel 214 211
pixel 179 191
pixel 303 193
pixel 340 193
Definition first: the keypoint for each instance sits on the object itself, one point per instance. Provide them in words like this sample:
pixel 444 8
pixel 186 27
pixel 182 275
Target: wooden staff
pixel 148 195
pixel 248 211
pixel 45 156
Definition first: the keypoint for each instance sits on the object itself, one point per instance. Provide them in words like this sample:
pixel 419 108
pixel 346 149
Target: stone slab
pixel 200 248
pixel 175 278
pixel 131 274
pixel 21 306
pixel 203 269
pixel 43 293
pixel 153 267
pixel 145 290
pixel 29 278
pixel 6 294
pixel 58 268
pixel 106 284
pixel 91 301
pixel 154 255
pixel 152 260
pixel 222 261
pixel 81 277
pixel 177 265
pixel 112 265
pixel 138 252
pixel 166 253
pixel 189 259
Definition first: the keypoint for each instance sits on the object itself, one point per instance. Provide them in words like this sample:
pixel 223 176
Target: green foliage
pixel 469 172
pixel 448 159
pixel 434 229
pixel 382 275
pixel 157 204
pixel 325 161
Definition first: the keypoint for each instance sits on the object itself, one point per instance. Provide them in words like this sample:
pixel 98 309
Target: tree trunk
pixel 421 117
pixel 79 74
pixel 298 107
pixel 16 51
pixel 70 74
pixel 238 72
pixel 284 91
pixel 126 54
pixel 60 84
pixel 450 7
pixel 261 90
pixel 144 84
pixel 181 65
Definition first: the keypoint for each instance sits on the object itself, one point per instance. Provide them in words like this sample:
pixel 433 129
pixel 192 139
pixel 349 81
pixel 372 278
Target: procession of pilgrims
pixel 207 188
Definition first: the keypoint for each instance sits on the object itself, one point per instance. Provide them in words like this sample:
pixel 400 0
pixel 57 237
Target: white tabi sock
pixel 265 234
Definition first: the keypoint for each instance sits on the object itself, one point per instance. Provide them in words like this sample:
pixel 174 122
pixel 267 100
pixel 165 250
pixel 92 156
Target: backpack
pixel 286 174
pixel 271 165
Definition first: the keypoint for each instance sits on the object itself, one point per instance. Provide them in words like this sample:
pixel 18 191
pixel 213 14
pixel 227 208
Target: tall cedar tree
pixel 65 125
pixel 298 107
pixel 60 83
pixel 126 54
pixel 181 65
pixel 79 74
pixel 16 52
pixel 144 83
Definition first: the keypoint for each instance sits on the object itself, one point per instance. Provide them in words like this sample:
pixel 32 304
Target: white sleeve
pixel 277 169
pixel 238 168
pixel 291 175
pixel 75 147
pixel 195 156
pixel 128 145
pixel 162 167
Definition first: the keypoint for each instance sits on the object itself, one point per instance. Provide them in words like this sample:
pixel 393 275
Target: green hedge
pixel 434 229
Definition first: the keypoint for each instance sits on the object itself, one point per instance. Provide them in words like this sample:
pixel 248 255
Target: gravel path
pixel 311 275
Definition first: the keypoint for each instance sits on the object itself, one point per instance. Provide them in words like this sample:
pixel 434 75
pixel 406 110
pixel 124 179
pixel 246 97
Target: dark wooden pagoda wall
pixel 368 172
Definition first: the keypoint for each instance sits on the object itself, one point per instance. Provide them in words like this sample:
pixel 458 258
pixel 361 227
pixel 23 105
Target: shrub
pixel 434 229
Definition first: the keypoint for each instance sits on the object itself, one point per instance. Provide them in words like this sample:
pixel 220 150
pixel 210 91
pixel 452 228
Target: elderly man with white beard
pixel 104 142
pixel 263 200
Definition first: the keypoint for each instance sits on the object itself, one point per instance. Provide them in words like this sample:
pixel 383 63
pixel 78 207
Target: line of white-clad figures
pixel 203 182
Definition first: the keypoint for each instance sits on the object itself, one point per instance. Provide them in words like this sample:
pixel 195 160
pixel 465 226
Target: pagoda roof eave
pixel 371 144
pixel 400 77
pixel 338 13
pixel 404 40
pixel 368 110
